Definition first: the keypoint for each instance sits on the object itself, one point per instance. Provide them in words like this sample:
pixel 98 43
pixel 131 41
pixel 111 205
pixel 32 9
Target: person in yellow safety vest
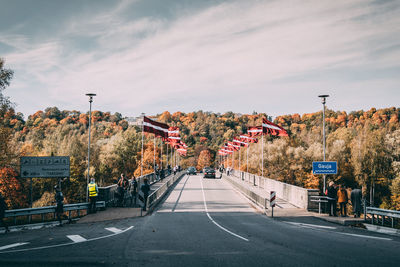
pixel 93 192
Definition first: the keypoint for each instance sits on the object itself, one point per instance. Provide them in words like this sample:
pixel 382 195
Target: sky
pixel 149 56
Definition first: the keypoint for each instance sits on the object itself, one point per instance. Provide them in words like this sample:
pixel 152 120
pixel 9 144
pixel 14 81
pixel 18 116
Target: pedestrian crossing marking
pixel 13 245
pixel 114 230
pixel 76 238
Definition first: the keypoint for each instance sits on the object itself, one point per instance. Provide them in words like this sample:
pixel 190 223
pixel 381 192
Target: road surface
pixel 202 222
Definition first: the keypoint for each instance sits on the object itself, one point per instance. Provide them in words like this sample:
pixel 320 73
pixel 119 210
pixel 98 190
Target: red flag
pixel 248 139
pixel 273 129
pixel 255 131
pixel 233 146
pixel 239 142
pixel 157 128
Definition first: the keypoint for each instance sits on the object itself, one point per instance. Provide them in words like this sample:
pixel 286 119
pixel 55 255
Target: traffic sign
pixel 44 167
pixel 324 167
pixel 272 199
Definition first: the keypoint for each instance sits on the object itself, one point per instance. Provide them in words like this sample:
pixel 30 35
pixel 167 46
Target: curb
pixel 35 226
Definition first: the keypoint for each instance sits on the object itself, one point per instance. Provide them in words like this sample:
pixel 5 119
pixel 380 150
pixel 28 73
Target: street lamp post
pixel 90 95
pixel 141 156
pixel 323 97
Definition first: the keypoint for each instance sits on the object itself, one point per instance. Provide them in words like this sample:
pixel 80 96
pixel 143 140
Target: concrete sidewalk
pixel 115 213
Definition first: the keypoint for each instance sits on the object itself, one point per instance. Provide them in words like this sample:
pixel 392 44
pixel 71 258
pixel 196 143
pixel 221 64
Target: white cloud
pixel 225 51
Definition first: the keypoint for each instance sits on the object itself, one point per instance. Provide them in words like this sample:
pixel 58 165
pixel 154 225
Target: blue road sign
pixel 324 167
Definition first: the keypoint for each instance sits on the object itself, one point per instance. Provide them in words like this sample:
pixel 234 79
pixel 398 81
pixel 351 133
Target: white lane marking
pixel 311 225
pixel 114 230
pixel 76 238
pixel 13 245
pixel 66 244
pixel 367 236
pixel 212 220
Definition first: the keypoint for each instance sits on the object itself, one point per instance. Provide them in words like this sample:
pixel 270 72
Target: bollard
pixel 272 202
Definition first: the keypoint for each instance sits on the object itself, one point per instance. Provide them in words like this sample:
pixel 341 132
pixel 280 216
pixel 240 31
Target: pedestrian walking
pixel 134 190
pixel 93 193
pixel 331 193
pixel 342 199
pixel 3 208
pixel 145 188
pixel 175 170
pixel 59 199
pixel 355 197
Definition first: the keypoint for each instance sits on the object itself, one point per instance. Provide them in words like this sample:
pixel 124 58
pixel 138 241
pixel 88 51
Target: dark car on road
pixel 191 170
pixel 209 173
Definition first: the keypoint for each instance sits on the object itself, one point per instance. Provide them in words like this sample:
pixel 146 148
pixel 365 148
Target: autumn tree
pixel 204 159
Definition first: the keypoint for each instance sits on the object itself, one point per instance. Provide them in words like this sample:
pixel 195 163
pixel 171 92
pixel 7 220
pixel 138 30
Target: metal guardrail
pixel 49 209
pixel 392 214
pixel 320 199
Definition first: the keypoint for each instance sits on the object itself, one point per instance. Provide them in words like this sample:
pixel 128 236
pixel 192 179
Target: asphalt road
pixel 202 222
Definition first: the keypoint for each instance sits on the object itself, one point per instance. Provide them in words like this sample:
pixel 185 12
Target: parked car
pixel 191 170
pixel 209 173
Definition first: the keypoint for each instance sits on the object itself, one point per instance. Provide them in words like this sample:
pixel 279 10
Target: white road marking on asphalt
pixel 13 245
pixel 76 238
pixel 367 236
pixel 208 215
pixel 114 230
pixel 66 244
pixel 311 225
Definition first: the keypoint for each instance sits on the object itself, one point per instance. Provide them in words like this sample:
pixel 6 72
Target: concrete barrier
pixel 295 195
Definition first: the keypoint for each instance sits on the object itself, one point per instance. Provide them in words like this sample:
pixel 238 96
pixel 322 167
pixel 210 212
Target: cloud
pixel 230 56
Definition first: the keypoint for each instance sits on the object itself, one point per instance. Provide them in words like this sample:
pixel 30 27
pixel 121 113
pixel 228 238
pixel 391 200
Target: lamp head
pixel 323 98
pixel 91 95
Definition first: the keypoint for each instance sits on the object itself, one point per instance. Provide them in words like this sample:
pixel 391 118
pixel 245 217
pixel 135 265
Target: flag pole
pixel 239 159
pixel 262 158
pixel 141 158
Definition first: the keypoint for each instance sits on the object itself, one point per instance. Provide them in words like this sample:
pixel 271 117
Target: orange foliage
pixel 203 139
pixel 11 189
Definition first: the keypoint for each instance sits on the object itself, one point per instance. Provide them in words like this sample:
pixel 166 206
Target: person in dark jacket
pixel 355 197
pixel 134 188
pixel 145 188
pixel 3 208
pixel 59 198
pixel 331 193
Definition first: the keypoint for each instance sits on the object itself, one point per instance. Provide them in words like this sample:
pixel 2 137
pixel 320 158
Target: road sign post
pixel 272 202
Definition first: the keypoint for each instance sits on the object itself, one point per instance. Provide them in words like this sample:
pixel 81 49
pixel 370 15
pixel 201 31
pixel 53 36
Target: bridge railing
pixel 393 215
pixel 297 196
pixel 156 196
pixel 28 212
pixel 109 194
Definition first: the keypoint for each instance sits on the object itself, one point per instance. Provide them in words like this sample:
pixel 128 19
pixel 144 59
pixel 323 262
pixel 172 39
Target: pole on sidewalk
pixel 262 160
pixel 141 156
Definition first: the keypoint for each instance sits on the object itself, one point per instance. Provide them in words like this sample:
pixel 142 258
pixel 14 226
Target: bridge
pixel 202 222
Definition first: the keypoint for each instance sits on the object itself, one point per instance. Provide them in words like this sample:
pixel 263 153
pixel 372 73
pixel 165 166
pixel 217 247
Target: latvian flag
pixel 182 151
pixel 173 135
pixel 239 142
pixel 246 138
pixel 157 128
pixel 222 153
pixel 233 146
pixel 273 129
pixel 255 131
